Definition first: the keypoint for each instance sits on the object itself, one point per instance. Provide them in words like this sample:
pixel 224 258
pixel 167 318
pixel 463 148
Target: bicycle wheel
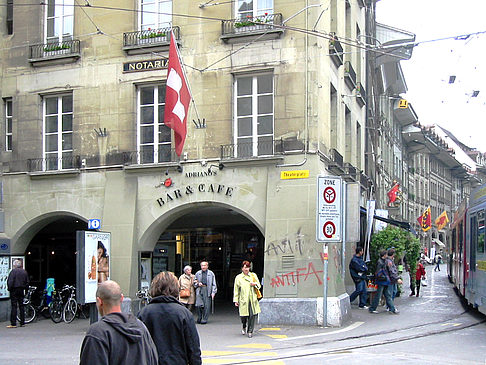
pixel 70 309
pixel 55 310
pixel 29 313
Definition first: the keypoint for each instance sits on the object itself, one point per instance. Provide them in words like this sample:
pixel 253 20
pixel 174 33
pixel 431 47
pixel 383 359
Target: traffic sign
pixel 94 224
pixel 329 209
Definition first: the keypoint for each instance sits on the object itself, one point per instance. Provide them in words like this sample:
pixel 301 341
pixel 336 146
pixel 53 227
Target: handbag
pixel 423 281
pixel 257 291
pixel 185 293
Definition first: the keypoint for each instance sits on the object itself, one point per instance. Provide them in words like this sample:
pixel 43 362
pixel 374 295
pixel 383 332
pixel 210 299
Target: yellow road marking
pixel 269 362
pixel 253 346
pixel 277 336
pixel 270 353
pixel 232 361
pixel 270 329
pixel 219 353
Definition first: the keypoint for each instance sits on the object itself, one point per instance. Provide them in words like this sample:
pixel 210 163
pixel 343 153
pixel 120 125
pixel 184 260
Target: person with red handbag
pixel 187 293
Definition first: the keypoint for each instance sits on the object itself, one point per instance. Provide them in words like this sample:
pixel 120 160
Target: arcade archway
pixel 217 234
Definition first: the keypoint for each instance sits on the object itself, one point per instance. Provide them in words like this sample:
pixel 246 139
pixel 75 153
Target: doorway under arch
pixel 217 234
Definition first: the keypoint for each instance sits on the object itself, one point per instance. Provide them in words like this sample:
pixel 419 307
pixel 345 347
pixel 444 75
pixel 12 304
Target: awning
pixel 405 225
pixel 438 242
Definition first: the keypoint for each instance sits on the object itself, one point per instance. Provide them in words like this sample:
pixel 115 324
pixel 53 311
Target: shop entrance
pixel 220 236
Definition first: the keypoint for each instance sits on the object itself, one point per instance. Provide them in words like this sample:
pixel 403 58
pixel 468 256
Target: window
pixel 58 132
pixel 253 8
pixel 481 231
pixel 253 121
pixel 155 14
pixel 9 16
pixel 59 20
pixel 8 124
pixel 154 137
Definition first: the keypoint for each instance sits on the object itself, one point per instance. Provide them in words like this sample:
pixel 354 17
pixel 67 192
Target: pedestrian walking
pixel 170 323
pixel 186 284
pixel 419 276
pixel 382 280
pixel 394 279
pixel 17 283
pixel 358 270
pixel 438 261
pixel 245 298
pixel 118 338
pixel 206 289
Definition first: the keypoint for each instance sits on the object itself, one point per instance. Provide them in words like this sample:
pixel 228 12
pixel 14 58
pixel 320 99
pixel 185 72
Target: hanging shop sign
pixel 146 65
pixel 93 263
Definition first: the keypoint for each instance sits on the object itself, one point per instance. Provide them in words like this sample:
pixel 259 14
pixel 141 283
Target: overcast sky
pixel 427 72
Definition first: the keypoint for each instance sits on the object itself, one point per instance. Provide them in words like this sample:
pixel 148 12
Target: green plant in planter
pixel 56 47
pixel 153 35
pixel 406 246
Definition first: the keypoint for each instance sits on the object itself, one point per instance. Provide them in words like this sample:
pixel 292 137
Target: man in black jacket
pixel 17 282
pixel 358 269
pixel 118 338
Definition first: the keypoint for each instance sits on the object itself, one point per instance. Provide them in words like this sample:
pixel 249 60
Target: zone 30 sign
pixel 329 209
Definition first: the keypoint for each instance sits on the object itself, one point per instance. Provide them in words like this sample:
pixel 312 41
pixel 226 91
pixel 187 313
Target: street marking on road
pixel 253 346
pixel 220 353
pixel 349 328
pixel 277 336
pixel 269 353
pixel 270 329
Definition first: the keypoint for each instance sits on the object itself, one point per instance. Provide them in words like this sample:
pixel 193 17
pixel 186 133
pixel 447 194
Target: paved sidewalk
pixel 45 342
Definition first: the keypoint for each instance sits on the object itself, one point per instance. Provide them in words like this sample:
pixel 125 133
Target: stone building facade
pixel 83 91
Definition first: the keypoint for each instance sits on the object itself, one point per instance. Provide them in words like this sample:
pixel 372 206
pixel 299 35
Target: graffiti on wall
pixel 299 275
pixel 286 245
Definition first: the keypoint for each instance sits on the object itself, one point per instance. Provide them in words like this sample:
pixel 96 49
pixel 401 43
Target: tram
pixel 466 265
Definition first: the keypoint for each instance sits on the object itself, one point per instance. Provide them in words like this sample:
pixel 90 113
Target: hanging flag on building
pixel 442 220
pixel 425 220
pixel 394 195
pixel 177 97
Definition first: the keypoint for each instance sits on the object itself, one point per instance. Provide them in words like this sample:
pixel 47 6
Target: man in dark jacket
pixel 382 279
pixel 17 282
pixel 170 323
pixel 118 338
pixel 358 269
pixel 394 279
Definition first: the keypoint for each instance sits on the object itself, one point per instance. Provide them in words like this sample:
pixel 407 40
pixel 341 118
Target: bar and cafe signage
pixel 146 65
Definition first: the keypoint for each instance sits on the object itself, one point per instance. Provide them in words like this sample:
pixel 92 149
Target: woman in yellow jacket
pixel 245 298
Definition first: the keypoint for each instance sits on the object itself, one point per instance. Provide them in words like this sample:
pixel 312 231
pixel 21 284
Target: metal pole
pixel 343 225
pixel 324 297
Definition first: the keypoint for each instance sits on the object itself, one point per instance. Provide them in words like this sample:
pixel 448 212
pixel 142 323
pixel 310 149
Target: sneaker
pixel 396 311
pixel 363 307
pixel 250 335
pixel 243 331
pixel 10 326
pixel 375 311
pixel 417 295
pixel 411 295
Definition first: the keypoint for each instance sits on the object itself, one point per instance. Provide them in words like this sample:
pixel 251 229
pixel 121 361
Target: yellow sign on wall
pixel 296 174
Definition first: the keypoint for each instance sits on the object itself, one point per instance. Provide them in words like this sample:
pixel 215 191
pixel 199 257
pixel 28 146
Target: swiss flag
pixel 177 97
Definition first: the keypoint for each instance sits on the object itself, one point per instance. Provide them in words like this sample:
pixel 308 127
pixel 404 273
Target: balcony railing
pixel 267 23
pixel 54 50
pixel 335 50
pixel 71 162
pixel 264 147
pixel 149 38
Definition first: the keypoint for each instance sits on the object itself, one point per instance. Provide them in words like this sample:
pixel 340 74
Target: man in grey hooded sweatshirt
pixel 118 338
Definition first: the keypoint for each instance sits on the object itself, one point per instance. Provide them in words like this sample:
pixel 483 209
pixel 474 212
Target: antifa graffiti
pixel 286 245
pixel 296 276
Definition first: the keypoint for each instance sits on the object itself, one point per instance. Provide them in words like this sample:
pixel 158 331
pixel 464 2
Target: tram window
pixel 474 241
pixel 480 247
pixel 454 240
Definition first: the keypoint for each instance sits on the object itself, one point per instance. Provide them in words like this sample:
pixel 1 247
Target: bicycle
pixel 72 308
pixel 145 298
pixel 30 310
pixel 56 306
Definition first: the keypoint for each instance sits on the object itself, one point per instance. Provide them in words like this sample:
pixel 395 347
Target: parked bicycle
pixel 73 308
pixel 56 306
pixel 32 310
pixel 144 297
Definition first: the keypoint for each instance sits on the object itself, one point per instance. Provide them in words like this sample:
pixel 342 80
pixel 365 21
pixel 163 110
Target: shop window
pixel 155 14
pixel 58 132
pixel 59 21
pixel 8 124
pixel 153 137
pixel 253 115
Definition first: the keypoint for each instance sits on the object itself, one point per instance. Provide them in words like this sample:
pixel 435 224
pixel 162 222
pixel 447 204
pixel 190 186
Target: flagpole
pixel 184 72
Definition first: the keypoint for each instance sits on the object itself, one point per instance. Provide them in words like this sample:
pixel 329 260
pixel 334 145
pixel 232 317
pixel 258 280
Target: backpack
pixel 381 273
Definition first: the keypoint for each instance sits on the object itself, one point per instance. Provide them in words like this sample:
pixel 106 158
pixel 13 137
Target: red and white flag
pixel 177 97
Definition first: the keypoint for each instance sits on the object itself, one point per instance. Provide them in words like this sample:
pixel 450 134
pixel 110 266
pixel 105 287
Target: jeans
pixel 17 298
pixel 387 290
pixel 361 291
pixel 437 267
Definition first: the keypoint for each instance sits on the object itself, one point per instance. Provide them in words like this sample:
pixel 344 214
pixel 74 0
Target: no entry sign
pixel 329 209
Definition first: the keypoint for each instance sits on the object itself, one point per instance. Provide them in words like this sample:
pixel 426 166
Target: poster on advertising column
pixel 93 263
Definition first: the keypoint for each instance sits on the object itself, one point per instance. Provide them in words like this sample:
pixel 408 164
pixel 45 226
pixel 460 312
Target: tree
pixel 402 241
